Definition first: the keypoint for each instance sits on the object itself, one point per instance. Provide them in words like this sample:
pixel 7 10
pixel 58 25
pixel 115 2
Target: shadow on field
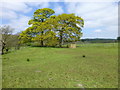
pixel 50 46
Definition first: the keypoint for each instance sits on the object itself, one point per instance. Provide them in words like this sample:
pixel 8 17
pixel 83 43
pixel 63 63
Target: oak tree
pixel 51 30
pixel 40 30
pixel 68 27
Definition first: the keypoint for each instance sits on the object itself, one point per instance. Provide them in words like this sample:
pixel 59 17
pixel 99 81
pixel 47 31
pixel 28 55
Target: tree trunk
pixel 42 40
pixel 61 38
pixel 3 47
pixel 42 43
pixel 2 50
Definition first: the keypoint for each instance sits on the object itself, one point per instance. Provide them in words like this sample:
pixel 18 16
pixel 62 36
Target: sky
pixel 100 16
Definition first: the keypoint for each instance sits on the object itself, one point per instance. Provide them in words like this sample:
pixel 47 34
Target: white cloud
pixel 113 29
pixel 11 10
pixel 8 15
pixel 91 0
pixel 14 12
pixel 16 6
pixel 92 10
pixel 32 0
pixel 92 24
pixel 20 24
pixel 61 0
pixel 88 7
pixel 58 9
pixel 103 15
pixel 98 30
pixel 38 4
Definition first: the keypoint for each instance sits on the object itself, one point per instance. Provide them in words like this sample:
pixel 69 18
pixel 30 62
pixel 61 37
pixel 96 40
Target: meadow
pixel 48 67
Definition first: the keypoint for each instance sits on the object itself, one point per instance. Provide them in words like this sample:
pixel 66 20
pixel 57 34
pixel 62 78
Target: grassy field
pixel 62 67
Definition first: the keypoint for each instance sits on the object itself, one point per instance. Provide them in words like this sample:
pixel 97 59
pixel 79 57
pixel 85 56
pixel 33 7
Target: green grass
pixel 62 67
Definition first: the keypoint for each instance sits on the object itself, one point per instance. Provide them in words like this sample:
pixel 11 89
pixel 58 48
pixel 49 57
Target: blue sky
pixel 101 18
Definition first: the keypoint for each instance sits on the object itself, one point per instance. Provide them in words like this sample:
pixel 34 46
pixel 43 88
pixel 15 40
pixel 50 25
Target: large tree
pixel 49 29
pixel 68 27
pixel 6 40
pixel 40 30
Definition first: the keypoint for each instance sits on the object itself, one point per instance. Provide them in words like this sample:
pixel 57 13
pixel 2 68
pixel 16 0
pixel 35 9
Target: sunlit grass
pixel 62 67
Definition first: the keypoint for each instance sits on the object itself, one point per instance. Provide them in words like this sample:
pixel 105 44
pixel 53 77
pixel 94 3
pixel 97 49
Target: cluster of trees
pixel 7 39
pixel 50 30
pixel 47 29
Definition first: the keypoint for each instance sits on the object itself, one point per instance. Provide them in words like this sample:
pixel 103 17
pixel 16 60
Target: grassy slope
pixel 62 67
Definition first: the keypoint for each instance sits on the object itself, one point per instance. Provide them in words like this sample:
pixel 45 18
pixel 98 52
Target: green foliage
pixel 41 15
pixel 25 37
pixel 49 29
pixel 70 27
pixel 35 44
pixel 40 30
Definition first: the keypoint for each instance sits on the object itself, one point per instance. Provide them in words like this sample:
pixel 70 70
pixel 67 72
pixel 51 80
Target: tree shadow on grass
pixel 50 46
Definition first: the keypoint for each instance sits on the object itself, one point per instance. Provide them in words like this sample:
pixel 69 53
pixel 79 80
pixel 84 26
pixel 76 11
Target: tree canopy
pixel 40 30
pixel 51 30
pixel 68 27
